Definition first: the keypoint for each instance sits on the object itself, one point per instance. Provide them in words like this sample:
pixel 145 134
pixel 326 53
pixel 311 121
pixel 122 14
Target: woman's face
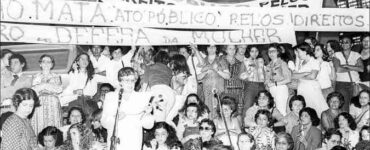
pixel 83 62
pixel 254 52
pixel 305 118
pixel 262 120
pixel 75 135
pixel 192 99
pixel 128 83
pixel 364 99
pixel 5 59
pixel 346 44
pixel 333 141
pixel 192 113
pixel 242 49
pixel 318 52
pixel 49 141
pixel 230 50
pixel 366 42
pixel 282 144
pixel 273 53
pixel 263 100
pixel 205 131
pixel 297 106
pixel 25 108
pixel 46 63
pixel 96 124
pixel 211 49
pixel 334 103
pixel 343 122
pixel 365 135
pixel 184 52
pixel 245 142
pixel 227 110
pixel 161 135
pixel 117 54
pixel 330 50
pixel 301 54
pixel 76 117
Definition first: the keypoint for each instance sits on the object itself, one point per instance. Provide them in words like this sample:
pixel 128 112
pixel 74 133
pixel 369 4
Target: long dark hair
pixel 324 51
pixel 172 137
pixel 179 64
pixel 89 69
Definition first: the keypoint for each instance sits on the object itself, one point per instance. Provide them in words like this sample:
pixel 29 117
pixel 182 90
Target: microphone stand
pixel 114 139
pixel 223 116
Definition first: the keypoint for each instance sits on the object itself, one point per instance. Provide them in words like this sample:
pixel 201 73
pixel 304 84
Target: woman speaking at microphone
pixel 132 110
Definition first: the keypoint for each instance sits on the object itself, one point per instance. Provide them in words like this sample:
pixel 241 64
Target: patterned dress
pixel 49 113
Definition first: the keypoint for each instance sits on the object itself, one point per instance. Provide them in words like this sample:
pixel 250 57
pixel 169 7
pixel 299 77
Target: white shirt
pixel 112 72
pixel 101 63
pixel 324 75
pixel 352 60
pixel 191 66
pixel 312 64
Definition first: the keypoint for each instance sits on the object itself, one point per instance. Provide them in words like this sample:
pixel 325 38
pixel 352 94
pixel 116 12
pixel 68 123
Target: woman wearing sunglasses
pixel 207 130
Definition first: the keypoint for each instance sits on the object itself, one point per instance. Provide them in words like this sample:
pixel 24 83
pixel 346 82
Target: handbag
pixel 356 88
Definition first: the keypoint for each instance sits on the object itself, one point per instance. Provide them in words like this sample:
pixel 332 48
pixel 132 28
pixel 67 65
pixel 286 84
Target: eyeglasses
pixel 205 128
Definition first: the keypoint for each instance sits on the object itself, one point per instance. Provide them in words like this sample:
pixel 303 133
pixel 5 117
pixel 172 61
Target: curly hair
pixel 210 123
pixel 288 138
pixel 199 113
pixel 313 115
pixel 231 102
pixel 179 64
pixel 351 122
pixel 172 137
pixel 297 98
pixel 51 131
pixel 271 102
pixel 25 94
pixel 267 114
pixel 337 95
pixel 89 69
pixel 86 137
pixel 79 109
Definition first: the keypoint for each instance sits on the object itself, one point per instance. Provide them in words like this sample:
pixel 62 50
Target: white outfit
pixel 196 65
pixel 101 65
pixel 64 130
pixel 114 67
pixel 352 60
pixel 310 89
pixel 77 80
pixel 281 95
pixel 323 77
pixel 129 129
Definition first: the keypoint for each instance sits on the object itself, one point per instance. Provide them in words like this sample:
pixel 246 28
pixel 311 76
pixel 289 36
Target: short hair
pixel 338 95
pixel 203 107
pixel 364 36
pixel 335 45
pixel 346 37
pixel 127 71
pixel 161 57
pixel 228 101
pixel 51 58
pixel 96 115
pixel 306 48
pixel 111 88
pixel 51 131
pixel 313 115
pixel 356 100
pixel 364 128
pixel 5 51
pixel 79 109
pixel 267 114
pixel 210 123
pixel 297 98
pixel 25 94
pixel 325 53
pixel 176 144
pixel 199 113
pixel 338 147
pixel 277 47
pixel 221 147
pixel 188 50
pixel 270 98
pixel 204 48
pixel 288 138
pixel 351 122
pixel 328 134
pixel 313 40
pixel 114 48
pixel 21 59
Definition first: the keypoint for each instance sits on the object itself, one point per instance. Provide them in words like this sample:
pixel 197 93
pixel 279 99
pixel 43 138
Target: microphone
pixel 120 94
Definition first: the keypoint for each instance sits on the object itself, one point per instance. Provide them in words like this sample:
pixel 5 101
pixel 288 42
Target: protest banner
pixel 139 36
pixel 184 17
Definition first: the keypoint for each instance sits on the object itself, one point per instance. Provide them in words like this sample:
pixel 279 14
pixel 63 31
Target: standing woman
pixel 213 74
pixel 307 72
pixel 252 73
pixel 81 82
pixel 347 64
pixel 365 56
pixel 278 76
pixel 332 46
pixel 233 86
pixel 17 132
pixel 326 74
pixel 48 85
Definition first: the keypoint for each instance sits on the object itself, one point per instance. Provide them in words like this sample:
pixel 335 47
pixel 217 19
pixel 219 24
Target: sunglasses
pixel 205 128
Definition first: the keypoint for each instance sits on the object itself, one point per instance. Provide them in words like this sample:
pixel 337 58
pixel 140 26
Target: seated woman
pixel 50 138
pixel 79 137
pixel 264 101
pixel 364 142
pixel 263 132
pixel 160 137
pixel 360 109
pixel 296 104
pixel 207 130
pixel 332 138
pixel 17 132
pixel 306 135
pixel 347 126
pixel 75 115
pixel 99 131
pixel 188 127
pixel 284 141
pixel 335 101
pixel 246 141
pixel 229 109
pixel 193 98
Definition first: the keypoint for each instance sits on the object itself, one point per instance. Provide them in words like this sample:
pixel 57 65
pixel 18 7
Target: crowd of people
pixel 206 97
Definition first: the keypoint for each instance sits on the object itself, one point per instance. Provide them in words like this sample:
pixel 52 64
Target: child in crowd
pixel 263 132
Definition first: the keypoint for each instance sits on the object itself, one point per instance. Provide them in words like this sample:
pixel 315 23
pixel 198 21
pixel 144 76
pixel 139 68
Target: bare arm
pixel 312 75
pixel 359 67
